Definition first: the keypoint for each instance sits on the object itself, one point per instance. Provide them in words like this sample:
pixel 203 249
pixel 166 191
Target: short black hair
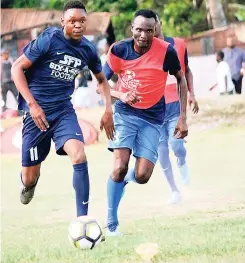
pixel 147 13
pixel 221 54
pixel 74 4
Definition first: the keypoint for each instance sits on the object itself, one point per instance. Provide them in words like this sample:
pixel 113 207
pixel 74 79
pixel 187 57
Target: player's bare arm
pixel 191 99
pixel 129 97
pixel 181 130
pixel 17 71
pixel 106 120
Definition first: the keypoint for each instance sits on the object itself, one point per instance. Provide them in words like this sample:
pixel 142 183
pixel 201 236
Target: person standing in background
pixel 104 48
pixel 235 57
pixel 7 83
pixel 223 75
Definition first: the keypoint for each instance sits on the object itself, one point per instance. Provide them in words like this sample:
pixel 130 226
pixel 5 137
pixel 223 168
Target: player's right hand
pixel 130 97
pixel 181 129
pixel 107 123
pixel 38 117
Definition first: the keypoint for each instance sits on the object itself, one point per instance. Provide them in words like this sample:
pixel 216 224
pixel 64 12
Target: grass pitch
pixel 209 225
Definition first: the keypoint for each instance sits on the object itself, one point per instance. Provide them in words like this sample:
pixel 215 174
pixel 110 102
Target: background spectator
pixel 6 81
pixel 235 57
pixel 223 75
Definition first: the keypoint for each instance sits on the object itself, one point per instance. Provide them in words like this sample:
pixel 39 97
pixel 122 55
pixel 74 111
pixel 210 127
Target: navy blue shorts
pixel 63 126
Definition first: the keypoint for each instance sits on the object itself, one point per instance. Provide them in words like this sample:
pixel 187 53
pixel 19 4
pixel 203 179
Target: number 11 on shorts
pixel 34 154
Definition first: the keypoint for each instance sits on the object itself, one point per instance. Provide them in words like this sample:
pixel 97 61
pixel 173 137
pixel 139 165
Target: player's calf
pixel 115 188
pixel 180 152
pixel 75 150
pixel 29 179
pixel 81 187
pixel 119 172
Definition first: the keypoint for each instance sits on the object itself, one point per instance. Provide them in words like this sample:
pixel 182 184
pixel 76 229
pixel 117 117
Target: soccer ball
pixel 84 232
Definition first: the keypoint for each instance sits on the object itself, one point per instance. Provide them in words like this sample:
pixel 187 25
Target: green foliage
pixel 180 18
pixel 55 4
pixel 123 10
pixel 26 4
pixel 240 15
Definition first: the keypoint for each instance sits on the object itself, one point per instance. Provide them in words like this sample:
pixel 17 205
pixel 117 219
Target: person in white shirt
pixel 223 75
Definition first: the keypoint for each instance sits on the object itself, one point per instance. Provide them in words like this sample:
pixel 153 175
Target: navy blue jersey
pixel 125 50
pixel 170 40
pixel 56 62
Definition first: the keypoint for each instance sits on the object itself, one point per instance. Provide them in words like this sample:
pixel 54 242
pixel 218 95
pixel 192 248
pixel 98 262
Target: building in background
pixel 20 26
pixel 209 42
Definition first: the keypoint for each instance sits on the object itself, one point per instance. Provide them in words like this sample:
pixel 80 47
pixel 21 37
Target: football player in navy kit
pixel 44 76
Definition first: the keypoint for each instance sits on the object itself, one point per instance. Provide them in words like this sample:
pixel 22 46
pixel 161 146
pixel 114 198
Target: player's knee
pixel 142 177
pixel 119 172
pixel 78 157
pixel 178 148
pixel 163 156
pixel 163 145
pixel 163 149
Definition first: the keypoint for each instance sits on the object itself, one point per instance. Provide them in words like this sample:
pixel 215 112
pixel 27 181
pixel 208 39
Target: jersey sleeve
pixel 171 63
pixel 108 71
pixel 38 47
pixel 94 63
pixel 113 61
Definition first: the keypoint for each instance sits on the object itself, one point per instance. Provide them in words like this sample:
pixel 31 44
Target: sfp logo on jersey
pixel 71 61
pixel 66 69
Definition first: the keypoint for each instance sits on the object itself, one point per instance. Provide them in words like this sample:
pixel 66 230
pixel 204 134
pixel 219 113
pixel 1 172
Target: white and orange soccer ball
pixel 85 232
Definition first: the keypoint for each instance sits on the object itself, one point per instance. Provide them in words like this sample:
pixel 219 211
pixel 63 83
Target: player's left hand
pixel 181 129
pixel 108 124
pixel 192 101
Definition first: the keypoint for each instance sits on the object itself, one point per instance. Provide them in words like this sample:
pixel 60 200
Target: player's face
pixel 143 30
pixel 74 23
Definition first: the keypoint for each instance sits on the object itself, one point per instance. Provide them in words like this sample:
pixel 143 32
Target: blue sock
pixel 170 178
pixel 81 186
pixel 130 176
pixel 164 160
pixel 114 193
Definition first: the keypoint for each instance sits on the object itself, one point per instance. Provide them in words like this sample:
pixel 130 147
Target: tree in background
pixel 235 10
pixel 179 17
pixel 182 18
pixel 215 13
pixel 123 9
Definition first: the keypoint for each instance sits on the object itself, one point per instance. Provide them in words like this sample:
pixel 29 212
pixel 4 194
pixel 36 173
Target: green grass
pixel 177 238
pixel 209 226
